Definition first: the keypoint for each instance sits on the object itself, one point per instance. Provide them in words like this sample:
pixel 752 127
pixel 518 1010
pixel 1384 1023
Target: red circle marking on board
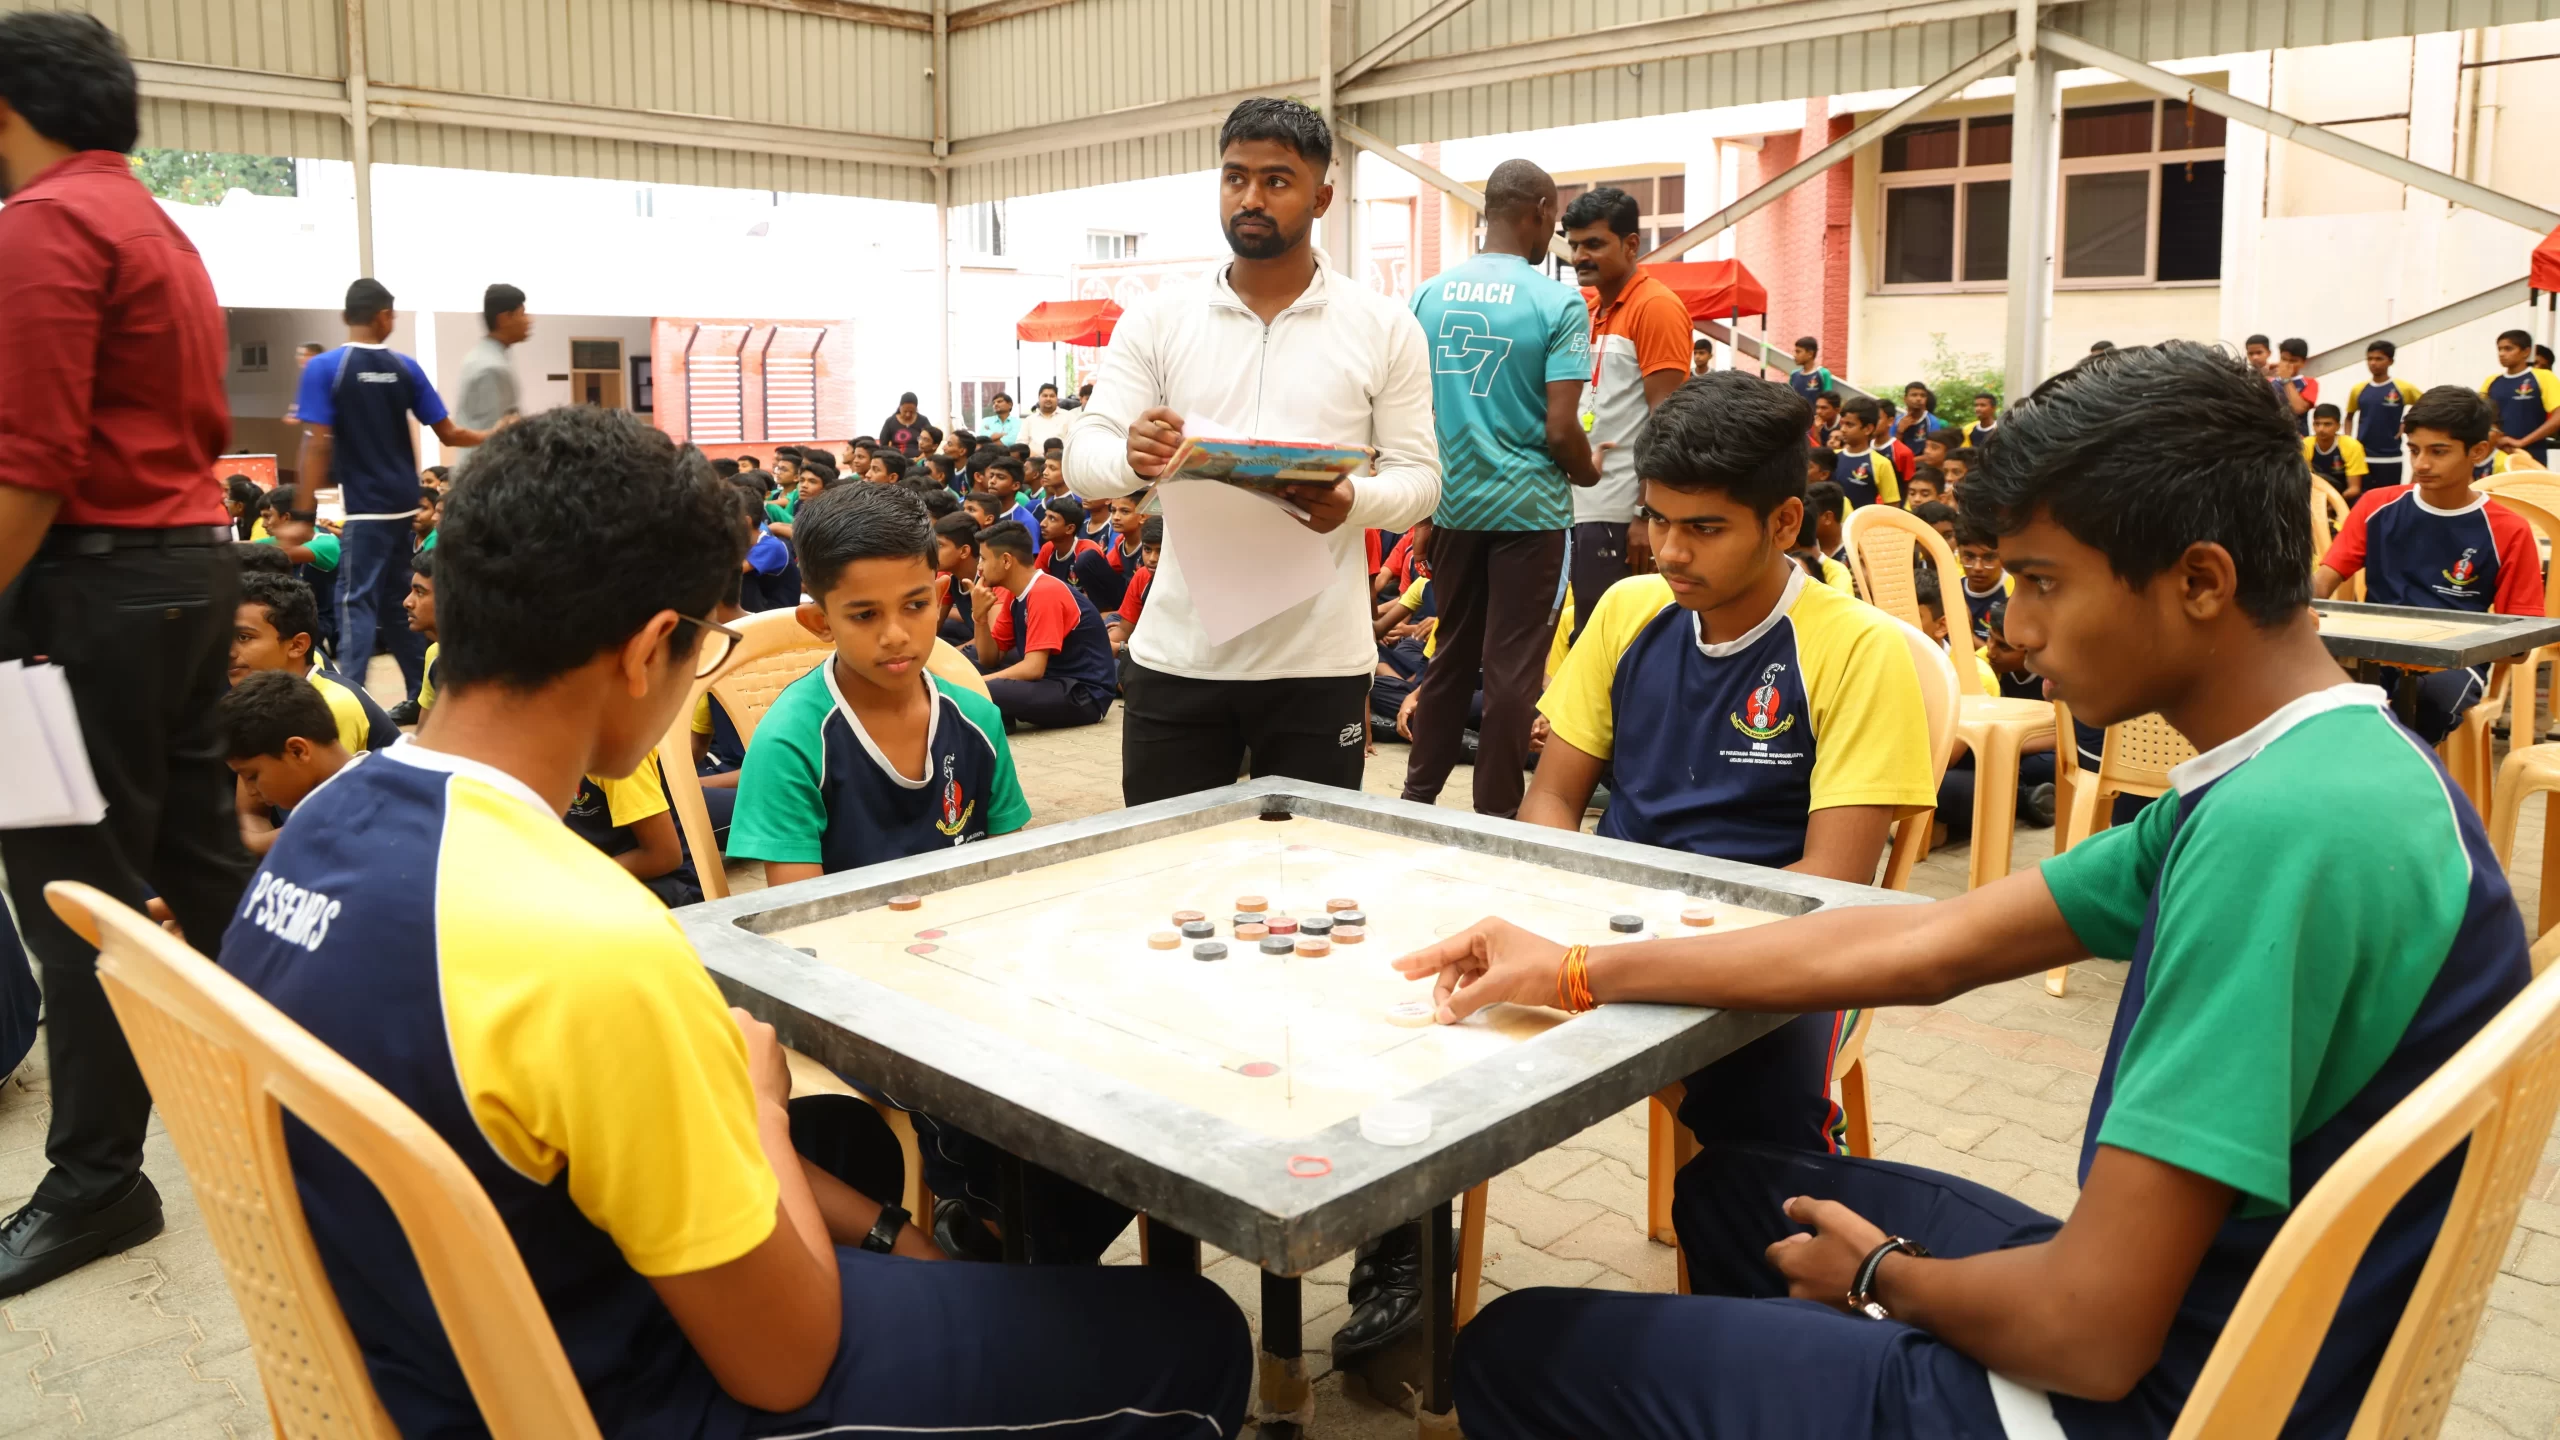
pixel 922 949
pixel 1258 1069
pixel 928 934
pixel 1309 1167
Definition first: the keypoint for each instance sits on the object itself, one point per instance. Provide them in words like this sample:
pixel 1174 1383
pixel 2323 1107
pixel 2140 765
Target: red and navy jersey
pixel 1134 599
pixel 1055 616
pixel 2480 558
pixel 1062 564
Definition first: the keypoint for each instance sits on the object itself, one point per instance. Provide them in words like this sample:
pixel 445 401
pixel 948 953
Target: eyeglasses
pixel 714 646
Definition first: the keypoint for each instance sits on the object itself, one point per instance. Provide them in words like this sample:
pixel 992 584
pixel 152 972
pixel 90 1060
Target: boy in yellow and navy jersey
pixel 2526 397
pixel 2339 460
pixel 276 628
pixel 1743 710
pixel 2374 410
pixel 429 918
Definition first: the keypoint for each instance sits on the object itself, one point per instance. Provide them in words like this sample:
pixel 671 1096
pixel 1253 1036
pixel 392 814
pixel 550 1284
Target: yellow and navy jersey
pixel 1838 576
pixel 1978 607
pixel 1726 749
pixel 427 685
pixel 1418 606
pixel 2374 412
pixel 1868 477
pixel 2523 403
pixel 2340 463
pixel 362 724
pixel 432 921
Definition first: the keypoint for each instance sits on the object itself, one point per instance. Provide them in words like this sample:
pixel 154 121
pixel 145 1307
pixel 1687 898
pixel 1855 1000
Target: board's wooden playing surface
pixel 2451 630
pixel 1056 957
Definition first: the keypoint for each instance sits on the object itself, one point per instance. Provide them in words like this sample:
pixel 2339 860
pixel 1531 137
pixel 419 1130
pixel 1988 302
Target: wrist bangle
pixel 1573 981
pixel 1862 1289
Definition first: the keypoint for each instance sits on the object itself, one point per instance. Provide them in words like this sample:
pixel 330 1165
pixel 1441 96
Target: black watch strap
pixel 884 1231
pixel 1862 1290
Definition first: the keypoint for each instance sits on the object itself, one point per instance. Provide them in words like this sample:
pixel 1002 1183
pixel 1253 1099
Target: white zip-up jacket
pixel 1343 365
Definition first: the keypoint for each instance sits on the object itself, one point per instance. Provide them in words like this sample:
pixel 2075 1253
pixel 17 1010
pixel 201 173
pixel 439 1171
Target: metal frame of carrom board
pixel 2495 637
pixel 1196 1173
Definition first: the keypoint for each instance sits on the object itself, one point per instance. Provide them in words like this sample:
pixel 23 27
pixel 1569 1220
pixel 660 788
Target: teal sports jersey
pixel 816 791
pixel 1500 334
pixel 2288 986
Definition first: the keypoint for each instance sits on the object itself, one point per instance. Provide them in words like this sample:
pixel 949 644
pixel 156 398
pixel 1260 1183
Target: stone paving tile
pixel 1993 1085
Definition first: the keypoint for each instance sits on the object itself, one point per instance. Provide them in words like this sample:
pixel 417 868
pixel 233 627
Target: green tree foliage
pixel 1957 377
pixel 203 177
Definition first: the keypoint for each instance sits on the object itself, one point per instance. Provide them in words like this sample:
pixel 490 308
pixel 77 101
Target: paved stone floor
pixel 1992 1086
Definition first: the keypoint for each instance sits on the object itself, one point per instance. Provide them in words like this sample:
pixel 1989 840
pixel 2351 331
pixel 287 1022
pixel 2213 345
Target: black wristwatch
pixel 1862 1290
pixel 884 1232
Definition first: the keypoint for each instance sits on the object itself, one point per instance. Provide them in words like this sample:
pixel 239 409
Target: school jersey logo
pixel 1761 716
pixel 2463 571
pixel 957 807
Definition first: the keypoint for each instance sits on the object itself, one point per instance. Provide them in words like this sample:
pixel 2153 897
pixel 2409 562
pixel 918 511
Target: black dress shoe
pixel 962 1235
pixel 1386 1296
pixel 404 713
pixel 38 1244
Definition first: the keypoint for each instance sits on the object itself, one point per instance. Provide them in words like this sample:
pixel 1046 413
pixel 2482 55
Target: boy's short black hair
pixel 1010 467
pixel 2293 348
pixel 893 462
pixel 423 566
pixel 1053 444
pixel 1930 512
pixel 1820 396
pixel 1991 395
pixel 939 501
pixel 366 298
pixel 1824 497
pixel 2262 342
pixel 1822 458
pixel 439 473
pixel 1966 453
pixel 1011 537
pixel 1290 122
pixel 1606 203
pixel 499 300
pixel 268 708
pixel 1808 342
pixel 2455 410
pixel 1731 432
pixel 2521 339
pixel 259 558
pixel 726 469
pixel 1018 450
pixel 2325 411
pixel 287 601
pixel 858 522
pixel 2092 449
pixel 1924 588
pixel 1069 509
pixel 1970 531
pixel 68 75
pixel 1936 477
pixel 2384 348
pixel 282 500
pixel 959 529
pixel 573 527
pixel 761 479
pixel 1152 532
pixel 995 505
pixel 1868 411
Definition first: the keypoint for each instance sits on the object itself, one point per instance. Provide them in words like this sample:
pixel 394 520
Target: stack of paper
pixel 50 780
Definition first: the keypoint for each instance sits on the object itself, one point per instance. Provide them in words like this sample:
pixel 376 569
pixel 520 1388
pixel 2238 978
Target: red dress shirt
pixel 112 352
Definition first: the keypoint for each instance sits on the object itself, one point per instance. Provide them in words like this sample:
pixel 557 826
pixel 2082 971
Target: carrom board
pixel 1022 1002
pixel 2428 639
pixel 1056 957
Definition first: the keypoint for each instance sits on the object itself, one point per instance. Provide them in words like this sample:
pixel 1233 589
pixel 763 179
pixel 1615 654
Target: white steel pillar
pixel 2034 152
pixel 360 133
pixel 942 291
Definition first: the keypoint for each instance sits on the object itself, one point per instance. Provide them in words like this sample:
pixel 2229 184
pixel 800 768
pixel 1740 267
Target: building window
pixel 2139 199
pixel 1660 201
pixel 984 228
pixel 253 358
pixel 1110 245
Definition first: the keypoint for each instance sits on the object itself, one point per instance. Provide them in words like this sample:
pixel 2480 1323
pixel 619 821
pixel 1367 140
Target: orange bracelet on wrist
pixel 1573 981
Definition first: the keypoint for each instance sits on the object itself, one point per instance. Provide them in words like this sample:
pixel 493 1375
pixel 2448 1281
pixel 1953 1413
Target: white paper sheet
pixel 52 783
pixel 1242 557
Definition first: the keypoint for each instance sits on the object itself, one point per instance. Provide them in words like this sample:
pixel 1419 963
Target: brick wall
pixel 1799 244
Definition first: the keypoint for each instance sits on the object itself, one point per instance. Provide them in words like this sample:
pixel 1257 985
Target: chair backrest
pixel 1939 702
pixel 773 650
pixel 2499 1092
pixel 1885 547
pixel 2536 497
pixel 224 1066
pixel 2140 754
pixel 2328 516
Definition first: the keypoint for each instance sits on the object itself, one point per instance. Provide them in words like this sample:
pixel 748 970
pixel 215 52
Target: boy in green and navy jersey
pixel 1510 353
pixel 2288 987
pixel 428 917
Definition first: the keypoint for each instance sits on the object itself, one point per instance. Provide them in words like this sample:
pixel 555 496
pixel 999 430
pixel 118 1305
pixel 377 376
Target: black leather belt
pixel 107 539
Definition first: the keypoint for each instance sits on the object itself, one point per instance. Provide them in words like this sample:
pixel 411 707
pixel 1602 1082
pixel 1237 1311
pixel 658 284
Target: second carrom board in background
pixel 1056 956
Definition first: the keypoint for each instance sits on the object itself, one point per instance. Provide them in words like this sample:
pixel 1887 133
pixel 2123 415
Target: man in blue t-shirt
pixel 1510 353
pixel 2287 987
pixel 355 403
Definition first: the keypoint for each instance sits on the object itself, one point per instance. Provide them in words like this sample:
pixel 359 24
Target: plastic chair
pixel 2534 494
pixel 2329 511
pixel 2531 770
pixel 1885 545
pixel 2498 1093
pixel 2138 757
pixel 224 1067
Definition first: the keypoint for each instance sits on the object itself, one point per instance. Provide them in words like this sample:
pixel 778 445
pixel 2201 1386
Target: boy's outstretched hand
pixel 1487 963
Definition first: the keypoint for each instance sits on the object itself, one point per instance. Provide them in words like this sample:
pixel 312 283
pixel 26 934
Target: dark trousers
pixel 1599 561
pixel 143 636
pixel 1775 1091
pixel 1955 792
pixel 1737 1359
pixel 1101 584
pixel 2442 697
pixel 20 1000
pixel 1387 693
pixel 1181 735
pixel 1048 703
pixel 373 584
pixel 1496 593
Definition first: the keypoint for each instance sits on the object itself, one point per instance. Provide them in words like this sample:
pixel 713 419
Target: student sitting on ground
pixel 1938 516
pixel 422 526
pixel 1935 447
pixel 1864 472
pixel 1958 464
pixel 886 467
pixel 1067 555
pixel 296 531
pixel 2337 459
pixel 2289 984
pixel 1822 502
pixel 274 630
pixel 630 818
pixel 421 606
pixel 1985 584
pixel 533 1005
pixel 769 579
pixel 1742 710
pixel 955 568
pixel 1925 486
pixel 2439 544
pixel 1038 640
pixel 2035 757
pixel 1133 601
pixel 282 742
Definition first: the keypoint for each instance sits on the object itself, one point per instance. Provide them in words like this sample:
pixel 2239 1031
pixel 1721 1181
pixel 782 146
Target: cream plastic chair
pixel 2498 1093
pixel 1668 1143
pixel 2328 516
pixel 1885 545
pixel 2534 494
pixel 2531 770
pixel 2138 757
pixel 224 1068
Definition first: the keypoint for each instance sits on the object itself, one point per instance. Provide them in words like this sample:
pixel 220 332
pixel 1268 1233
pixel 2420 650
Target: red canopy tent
pixel 2546 264
pixel 1069 322
pixel 1719 290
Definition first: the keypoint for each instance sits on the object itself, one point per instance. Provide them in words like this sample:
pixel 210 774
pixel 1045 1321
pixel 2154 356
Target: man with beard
pixel 1274 345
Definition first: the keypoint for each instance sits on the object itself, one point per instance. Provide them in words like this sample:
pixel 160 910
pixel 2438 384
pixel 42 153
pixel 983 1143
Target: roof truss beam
pixel 2418 327
pixel 1394 45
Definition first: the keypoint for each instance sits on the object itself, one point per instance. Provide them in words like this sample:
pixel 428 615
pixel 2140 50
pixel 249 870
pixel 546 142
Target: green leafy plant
pixel 1957 376
pixel 203 177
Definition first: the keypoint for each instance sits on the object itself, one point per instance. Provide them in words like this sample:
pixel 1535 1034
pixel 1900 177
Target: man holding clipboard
pixel 1257 642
